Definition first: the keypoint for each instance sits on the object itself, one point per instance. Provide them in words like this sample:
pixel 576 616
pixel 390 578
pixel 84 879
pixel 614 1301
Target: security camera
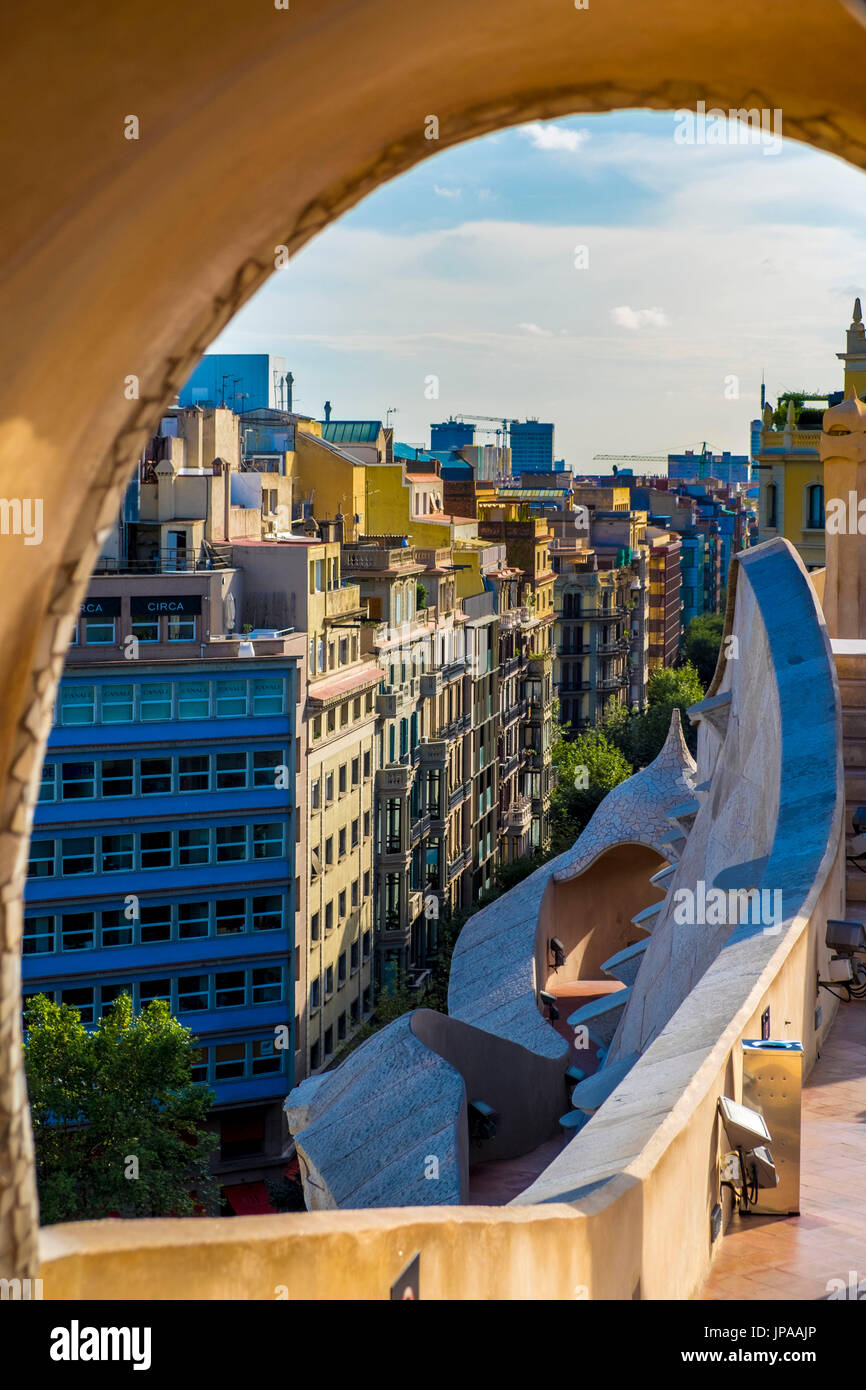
pixel 744 1127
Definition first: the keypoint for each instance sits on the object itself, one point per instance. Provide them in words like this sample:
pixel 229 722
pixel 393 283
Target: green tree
pixel 701 643
pixel 640 737
pixel 118 1123
pixel 587 768
pixel 420 595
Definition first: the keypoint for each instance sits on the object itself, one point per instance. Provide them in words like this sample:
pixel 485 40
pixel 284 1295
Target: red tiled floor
pixel 795 1257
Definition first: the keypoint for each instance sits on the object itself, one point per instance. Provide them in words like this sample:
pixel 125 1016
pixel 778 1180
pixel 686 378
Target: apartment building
pixel 164 853
pixel 665 605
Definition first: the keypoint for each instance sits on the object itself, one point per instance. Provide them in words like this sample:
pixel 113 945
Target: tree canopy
pixel 701 642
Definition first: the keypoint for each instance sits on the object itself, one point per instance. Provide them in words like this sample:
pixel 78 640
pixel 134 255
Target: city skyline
pixel 464 270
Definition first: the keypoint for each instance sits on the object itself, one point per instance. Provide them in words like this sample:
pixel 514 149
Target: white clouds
pixel 634 319
pixel 535 330
pixel 446 192
pixel 554 137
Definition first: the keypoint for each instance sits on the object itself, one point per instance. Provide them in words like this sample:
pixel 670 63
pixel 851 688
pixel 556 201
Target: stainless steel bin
pixel 773 1085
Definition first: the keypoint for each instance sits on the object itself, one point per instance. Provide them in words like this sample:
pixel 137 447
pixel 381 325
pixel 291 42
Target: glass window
pixel 146 629
pixel 98 632
pixel 111 993
pixel 268 913
pixel 231 843
pixel 341 968
pixel 155 922
pixel 230 915
pixel 267 841
pixel 193 773
pixel 46 786
pixel 315 988
pixel 266 1058
pixel 116 776
pixel 198 1057
pixel 77 855
pixel 231 770
pixel 192 920
pixel 193 846
pixel 80 999
pixel 268 696
pixel 76 931
pixel 154 701
pixel 267 984
pixel 229 989
pixel 355 956
pixel 329 980
pixel 266 769
pixel 155 776
pixel 156 849
pixel 77 704
pixel 116 704
pixel 193 700
pixel 38 935
pixel 228 1061
pixel 117 928
pixel 181 627
pixel 117 853
pixel 41 863
pixel 192 993
pixel 231 699
pixel 149 990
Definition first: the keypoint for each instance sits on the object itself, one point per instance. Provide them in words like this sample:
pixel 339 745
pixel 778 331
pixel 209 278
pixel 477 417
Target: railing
pixel 161 562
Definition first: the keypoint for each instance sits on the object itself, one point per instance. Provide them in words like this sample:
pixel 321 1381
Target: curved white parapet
pixel 770 820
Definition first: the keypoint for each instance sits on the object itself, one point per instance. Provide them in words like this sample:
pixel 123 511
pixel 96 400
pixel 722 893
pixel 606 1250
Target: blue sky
pixel 704 264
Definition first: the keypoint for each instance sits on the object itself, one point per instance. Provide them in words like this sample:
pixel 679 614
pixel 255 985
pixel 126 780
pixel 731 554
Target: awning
pixel 249 1199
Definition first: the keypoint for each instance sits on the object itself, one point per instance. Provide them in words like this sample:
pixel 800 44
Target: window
pixel 77 855
pixel 231 843
pixel 155 923
pixel 355 955
pixel 329 1041
pixel 314 927
pixel 230 915
pixel 41 863
pixel 111 993
pixel 341 905
pixel 149 990
pixel 315 993
pixel 154 701
pixel 192 993
pixel 77 781
pixel 146 629
pixel 815 507
pixel 117 853
pixel 343 780
pixel 155 849
pixel 341 969
pixel 367 764
pixel 267 696
pixel 268 913
pixel 116 704
pixel 77 705
pixel 355 893
pixel 193 700
pixel 329 916
pixel 317 727
pixel 116 776
pixel 354 1011
pixel 314 795
pixel 314 1056
pixel 329 850
pixel 80 999
pixel 155 776
pixel 267 984
pixel 265 1057
pixel 267 766
pixel 98 632
pixel 771 505
pixel 231 699
pixel 267 841
pixel 46 786
pixel 366 825
pixel 341 842
pixel 116 928
pixel 38 935
pixel 367 884
pixel 228 1061
pixel 356 771
pixel 329 980
pixel 181 628
pixel 341 1027
pixel 329 786
pixel 229 989
pixel 365 942
pixel 356 826
pixel 76 933
pixel 192 920
pixel 199 1064
pixel 231 770
pixel 193 773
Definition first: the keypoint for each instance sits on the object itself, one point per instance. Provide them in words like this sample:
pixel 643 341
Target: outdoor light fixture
pixel 550 1001
pixel 749 1166
pixel 482 1121
pixel 846 940
pixel 557 950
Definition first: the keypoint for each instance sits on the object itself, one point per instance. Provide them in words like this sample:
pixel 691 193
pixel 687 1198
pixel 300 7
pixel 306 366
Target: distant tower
pixel 854 356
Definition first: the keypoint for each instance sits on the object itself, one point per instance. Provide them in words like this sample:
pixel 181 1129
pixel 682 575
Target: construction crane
pixel 629 458
pixel 503 423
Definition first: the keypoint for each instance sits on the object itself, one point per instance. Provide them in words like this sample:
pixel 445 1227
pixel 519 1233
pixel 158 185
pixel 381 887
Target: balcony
pixel 344 602
pixel 386 704
pixel 159 562
pixel 396 778
pixel 430 684
pixel 518 816
pixel 455 670
pixel 432 750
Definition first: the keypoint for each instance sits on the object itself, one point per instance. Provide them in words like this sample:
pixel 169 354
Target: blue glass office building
pixel 163 856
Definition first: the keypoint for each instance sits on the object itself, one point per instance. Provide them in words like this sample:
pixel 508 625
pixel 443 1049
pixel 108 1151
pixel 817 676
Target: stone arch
pixel 122 258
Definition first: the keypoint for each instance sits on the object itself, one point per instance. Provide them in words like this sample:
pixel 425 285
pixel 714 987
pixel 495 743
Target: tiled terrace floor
pixel 794 1257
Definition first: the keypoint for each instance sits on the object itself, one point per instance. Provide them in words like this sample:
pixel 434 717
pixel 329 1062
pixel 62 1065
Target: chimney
pixel 327 411
pixel 338 527
pixel 290 382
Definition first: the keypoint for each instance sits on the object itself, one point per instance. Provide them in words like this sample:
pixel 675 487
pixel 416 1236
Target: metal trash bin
pixel 773 1085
